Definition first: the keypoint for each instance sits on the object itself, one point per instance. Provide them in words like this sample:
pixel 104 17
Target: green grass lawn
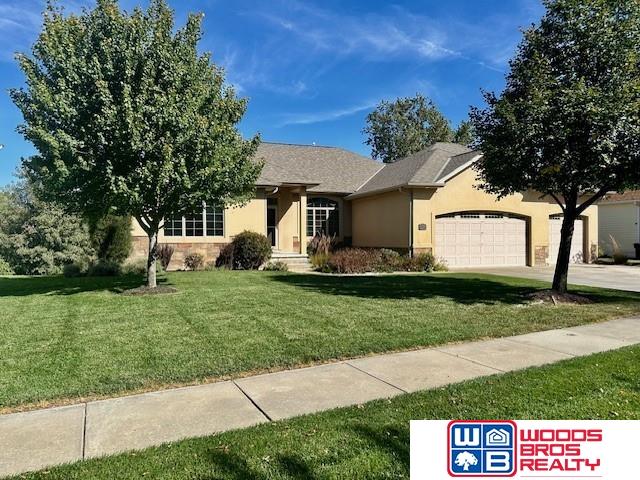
pixel 372 441
pixel 69 338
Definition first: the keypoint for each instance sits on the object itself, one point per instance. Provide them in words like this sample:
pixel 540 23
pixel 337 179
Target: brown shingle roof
pixel 428 167
pixel 323 169
pixel 630 196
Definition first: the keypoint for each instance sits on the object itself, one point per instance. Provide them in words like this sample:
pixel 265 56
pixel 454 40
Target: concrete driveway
pixel 604 276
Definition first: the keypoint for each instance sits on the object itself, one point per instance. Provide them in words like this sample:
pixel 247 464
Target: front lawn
pixel 372 440
pixel 70 338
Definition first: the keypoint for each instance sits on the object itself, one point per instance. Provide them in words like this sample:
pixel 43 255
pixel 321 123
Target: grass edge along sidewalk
pixel 372 440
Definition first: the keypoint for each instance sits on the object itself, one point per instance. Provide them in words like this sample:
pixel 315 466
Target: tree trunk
pixel 564 253
pixel 151 260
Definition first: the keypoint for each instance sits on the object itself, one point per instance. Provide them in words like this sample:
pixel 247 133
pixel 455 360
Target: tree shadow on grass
pixel 19 286
pixel 391 441
pixel 462 288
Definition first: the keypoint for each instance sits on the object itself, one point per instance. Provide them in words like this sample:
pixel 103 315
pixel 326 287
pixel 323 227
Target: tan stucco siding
pixel 621 222
pixel 459 195
pixel 381 220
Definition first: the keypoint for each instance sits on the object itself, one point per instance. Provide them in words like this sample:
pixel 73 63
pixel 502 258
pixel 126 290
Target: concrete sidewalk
pixel 43 438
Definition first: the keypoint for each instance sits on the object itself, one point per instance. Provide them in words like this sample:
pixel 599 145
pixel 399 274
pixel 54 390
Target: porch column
pixel 303 221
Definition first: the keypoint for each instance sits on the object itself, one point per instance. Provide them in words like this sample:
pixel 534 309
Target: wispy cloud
pixel 373 36
pixel 324 116
pixel 20 22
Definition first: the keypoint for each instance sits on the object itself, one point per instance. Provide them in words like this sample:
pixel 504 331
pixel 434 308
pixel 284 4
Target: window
pixel 208 223
pixel 173 227
pixel 215 222
pixel 322 217
pixel 193 225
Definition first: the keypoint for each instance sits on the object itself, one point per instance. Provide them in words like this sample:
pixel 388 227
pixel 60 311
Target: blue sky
pixel 312 70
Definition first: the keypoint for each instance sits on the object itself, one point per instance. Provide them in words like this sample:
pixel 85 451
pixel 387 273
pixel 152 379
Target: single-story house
pixel 620 219
pixel 428 201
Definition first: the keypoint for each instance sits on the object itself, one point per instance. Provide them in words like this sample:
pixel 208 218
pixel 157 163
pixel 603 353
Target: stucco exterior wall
pixel 381 220
pixel 621 221
pixel 459 195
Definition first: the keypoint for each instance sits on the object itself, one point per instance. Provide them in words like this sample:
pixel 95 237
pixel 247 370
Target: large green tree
pixel 407 125
pixel 568 122
pixel 129 118
pixel 39 237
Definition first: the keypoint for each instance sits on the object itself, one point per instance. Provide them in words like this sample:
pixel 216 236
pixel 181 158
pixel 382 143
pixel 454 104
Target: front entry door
pixel 272 224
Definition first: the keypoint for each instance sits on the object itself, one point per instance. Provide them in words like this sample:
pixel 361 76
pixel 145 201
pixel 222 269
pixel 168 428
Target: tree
pixel 128 118
pixel 38 237
pixel 568 122
pixel 408 125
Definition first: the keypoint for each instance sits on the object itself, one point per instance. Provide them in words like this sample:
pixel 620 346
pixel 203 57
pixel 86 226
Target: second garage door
pixel 469 240
pixel 555 228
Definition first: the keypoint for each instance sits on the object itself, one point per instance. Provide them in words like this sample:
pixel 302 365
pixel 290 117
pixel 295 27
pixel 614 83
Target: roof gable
pixel 432 166
pixel 322 169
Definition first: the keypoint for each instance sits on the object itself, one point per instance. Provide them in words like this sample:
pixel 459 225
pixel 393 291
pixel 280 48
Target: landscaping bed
pixel 372 440
pixel 63 339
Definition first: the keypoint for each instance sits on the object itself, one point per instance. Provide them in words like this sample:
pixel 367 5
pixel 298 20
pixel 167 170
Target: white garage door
pixel 471 240
pixel 555 228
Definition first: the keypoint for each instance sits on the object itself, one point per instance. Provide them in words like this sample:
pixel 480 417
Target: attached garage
pixel 481 239
pixel 577 243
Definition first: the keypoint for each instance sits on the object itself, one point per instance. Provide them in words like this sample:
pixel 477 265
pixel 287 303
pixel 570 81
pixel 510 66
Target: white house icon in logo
pixel 497 437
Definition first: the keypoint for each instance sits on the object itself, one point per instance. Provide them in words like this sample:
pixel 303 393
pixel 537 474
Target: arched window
pixel 323 216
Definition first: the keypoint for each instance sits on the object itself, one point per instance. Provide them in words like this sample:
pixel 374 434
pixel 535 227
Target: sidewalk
pixel 43 438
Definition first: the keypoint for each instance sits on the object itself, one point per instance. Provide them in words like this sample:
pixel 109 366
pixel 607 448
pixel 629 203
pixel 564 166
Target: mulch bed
pixel 549 296
pixel 161 290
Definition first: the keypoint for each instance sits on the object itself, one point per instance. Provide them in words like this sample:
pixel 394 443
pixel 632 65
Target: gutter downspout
pixel 411 222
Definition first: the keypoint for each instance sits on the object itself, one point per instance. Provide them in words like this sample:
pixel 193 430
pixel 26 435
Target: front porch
pixel 294 216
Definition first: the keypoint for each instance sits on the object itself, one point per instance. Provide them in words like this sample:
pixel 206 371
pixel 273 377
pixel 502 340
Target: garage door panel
pixel 481 240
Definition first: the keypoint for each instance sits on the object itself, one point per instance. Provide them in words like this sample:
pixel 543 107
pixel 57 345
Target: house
pixel 426 202
pixel 620 219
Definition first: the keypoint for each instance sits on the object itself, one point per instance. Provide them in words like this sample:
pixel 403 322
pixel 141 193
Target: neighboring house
pixel 620 219
pixel 428 201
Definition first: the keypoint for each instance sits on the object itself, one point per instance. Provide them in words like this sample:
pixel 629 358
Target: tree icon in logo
pixel 466 460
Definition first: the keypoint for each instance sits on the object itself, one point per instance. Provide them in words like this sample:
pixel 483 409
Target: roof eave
pixel 357 195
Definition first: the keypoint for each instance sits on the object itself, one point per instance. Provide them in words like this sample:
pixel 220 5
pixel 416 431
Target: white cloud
pixel 372 36
pixel 325 116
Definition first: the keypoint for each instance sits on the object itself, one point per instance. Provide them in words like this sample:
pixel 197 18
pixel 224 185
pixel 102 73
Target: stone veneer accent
pixel 418 251
pixel 210 251
pixel 542 253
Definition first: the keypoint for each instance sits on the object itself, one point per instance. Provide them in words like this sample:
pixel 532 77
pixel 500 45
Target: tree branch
pixel 143 223
pixel 601 193
pixel 557 199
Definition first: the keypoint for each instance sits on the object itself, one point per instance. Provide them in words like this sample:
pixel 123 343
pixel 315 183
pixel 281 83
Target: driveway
pixel 605 276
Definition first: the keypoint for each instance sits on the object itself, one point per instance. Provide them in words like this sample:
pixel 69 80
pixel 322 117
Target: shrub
pixel 619 258
pixel 210 266
pixel 5 268
pixel 111 238
pixel 194 261
pixel 354 260
pixel 139 267
pixel 225 257
pixel 320 262
pixel 276 267
pixel 250 250
pixel 104 268
pixel 322 243
pixel 247 251
pixel 73 270
pixel 165 253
